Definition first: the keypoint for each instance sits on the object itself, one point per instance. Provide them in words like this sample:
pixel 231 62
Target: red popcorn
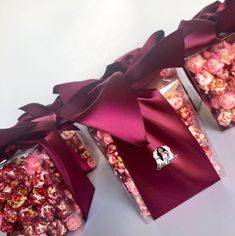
pixel 225 117
pixel 10 174
pixel 62 209
pixel 60 227
pixel 46 212
pixel 3 197
pixel 41 228
pixel 73 222
pixel 16 200
pixel 52 195
pixel 75 143
pixel 30 231
pixel 196 63
pixel 39 180
pixel 23 189
pixel 10 215
pixel 38 196
pixel 227 100
pixel 57 228
pixel 6 227
pixel 31 203
pixel 27 215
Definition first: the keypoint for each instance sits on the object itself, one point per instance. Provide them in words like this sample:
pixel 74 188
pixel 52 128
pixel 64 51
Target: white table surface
pixel 46 42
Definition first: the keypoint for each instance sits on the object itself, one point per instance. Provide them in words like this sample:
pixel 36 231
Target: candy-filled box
pixel 34 200
pixel 172 89
pixel 140 186
pixel 75 142
pixel 111 153
pixel 212 72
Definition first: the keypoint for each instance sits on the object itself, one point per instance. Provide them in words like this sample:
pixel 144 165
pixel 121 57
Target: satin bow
pixel 206 26
pixel 112 104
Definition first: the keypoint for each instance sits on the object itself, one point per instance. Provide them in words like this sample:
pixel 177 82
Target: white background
pixel 46 42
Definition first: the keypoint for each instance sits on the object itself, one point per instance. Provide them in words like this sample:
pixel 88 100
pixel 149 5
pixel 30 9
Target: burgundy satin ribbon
pixel 44 133
pixel 205 28
pixel 111 104
pixel 133 116
pixel 36 112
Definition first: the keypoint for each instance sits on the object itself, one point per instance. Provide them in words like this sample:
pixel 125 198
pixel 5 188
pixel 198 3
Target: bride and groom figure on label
pixel 163 156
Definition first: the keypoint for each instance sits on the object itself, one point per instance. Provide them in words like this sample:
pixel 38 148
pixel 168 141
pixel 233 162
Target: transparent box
pixel 34 199
pixel 77 145
pixel 169 85
pixel 212 73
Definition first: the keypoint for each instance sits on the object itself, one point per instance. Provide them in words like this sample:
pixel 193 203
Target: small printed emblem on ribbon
pixel 163 156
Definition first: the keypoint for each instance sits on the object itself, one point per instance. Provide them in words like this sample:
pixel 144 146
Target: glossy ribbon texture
pixel 206 27
pixel 141 120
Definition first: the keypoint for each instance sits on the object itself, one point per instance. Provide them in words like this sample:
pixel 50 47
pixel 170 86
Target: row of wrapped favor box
pixel 44 189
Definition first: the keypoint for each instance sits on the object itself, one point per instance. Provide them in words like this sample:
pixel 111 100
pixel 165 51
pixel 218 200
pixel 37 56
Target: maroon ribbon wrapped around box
pixel 210 58
pixel 145 140
pixel 72 136
pixel 43 188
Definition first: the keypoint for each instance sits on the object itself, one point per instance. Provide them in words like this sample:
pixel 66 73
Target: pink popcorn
pixel 112 158
pixel 107 138
pixel 225 117
pixel 175 99
pixel 67 134
pixel 73 222
pixel 204 78
pixel 131 186
pixel 169 72
pixel 227 100
pixel 233 69
pixel 91 162
pixel 233 114
pixel 220 46
pixel 196 63
pixel 215 102
pixel 223 74
pixel 217 86
pixel 224 53
pixel 214 66
pixel 34 163
pixel 206 54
